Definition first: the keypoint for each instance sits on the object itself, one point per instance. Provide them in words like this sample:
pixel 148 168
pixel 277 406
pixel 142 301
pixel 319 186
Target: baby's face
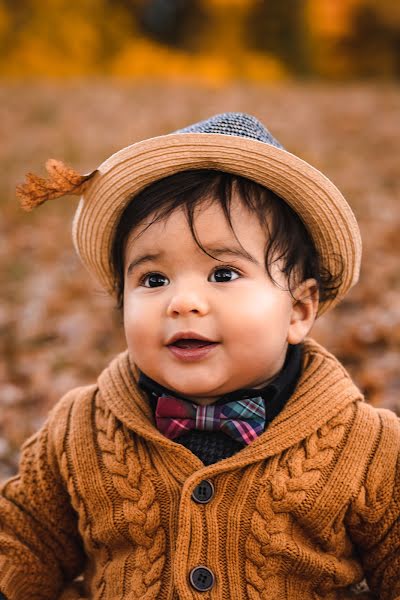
pixel 173 291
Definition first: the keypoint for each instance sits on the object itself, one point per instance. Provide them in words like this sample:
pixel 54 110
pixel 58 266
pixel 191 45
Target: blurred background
pixel 79 80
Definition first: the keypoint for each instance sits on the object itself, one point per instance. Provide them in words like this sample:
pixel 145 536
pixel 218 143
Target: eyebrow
pixel 237 252
pixel 215 251
pixel 143 259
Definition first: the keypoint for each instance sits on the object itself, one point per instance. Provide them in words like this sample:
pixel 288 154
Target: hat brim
pixel 320 205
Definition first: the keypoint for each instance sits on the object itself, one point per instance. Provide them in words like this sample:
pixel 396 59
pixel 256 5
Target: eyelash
pixel 219 268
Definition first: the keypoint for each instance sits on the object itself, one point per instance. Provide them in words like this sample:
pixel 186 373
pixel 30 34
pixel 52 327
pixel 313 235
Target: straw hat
pixel 233 142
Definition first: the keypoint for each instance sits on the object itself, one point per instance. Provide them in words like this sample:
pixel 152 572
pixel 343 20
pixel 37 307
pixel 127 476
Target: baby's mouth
pixel 191 343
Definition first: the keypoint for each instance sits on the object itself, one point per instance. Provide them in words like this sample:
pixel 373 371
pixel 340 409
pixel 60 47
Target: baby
pixel 224 454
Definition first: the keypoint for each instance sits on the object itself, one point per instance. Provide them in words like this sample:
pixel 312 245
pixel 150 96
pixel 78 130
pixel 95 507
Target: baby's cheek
pixel 133 325
pixel 249 316
pixel 142 327
pixel 134 309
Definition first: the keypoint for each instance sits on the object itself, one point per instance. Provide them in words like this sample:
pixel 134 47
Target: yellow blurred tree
pixel 373 45
pixel 213 40
pixel 355 38
pixel 280 29
pixel 58 38
pixel 197 40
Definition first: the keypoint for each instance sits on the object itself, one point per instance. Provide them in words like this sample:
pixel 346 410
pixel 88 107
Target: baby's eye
pixel 224 274
pixel 153 280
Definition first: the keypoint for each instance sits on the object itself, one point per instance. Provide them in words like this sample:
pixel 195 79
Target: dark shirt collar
pixel 275 393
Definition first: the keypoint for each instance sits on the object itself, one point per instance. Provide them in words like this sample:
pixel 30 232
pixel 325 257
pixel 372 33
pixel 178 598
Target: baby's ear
pixel 304 310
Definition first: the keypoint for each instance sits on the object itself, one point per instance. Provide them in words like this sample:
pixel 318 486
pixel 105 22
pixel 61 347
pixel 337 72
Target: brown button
pixel 201 578
pixel 203 492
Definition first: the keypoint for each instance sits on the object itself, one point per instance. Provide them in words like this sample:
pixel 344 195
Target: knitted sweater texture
pixel 304 512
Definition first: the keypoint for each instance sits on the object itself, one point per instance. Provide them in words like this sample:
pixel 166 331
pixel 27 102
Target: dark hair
pixel 287 239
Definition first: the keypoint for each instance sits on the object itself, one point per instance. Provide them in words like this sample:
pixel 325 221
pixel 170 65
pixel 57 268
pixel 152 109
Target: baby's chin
pixel 203 395
pixel 201 401
pixel 197 394
pixel 200 397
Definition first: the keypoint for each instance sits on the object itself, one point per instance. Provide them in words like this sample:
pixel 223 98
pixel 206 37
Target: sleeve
pixel 373 521
pixel 40 546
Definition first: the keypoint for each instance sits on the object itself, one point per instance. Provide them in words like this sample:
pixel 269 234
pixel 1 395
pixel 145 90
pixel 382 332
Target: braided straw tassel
pixel 62 180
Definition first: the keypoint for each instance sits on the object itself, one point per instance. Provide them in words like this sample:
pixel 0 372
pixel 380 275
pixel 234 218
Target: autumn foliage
pixel 212 41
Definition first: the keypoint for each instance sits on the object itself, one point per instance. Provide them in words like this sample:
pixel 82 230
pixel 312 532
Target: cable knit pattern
pixel 103 505
pixel 140 508
pixel 286 484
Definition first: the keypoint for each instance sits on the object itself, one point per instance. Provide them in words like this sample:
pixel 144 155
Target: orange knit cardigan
pixel 306 511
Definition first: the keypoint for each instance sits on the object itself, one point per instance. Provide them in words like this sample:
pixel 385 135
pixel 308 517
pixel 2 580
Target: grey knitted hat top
pixel 232 142
pixel 238 124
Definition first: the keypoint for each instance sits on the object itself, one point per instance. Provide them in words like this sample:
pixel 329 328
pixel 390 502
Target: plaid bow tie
pixel 244 420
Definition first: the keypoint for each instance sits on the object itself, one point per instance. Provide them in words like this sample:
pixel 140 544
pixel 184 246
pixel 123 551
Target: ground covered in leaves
pixel 59 330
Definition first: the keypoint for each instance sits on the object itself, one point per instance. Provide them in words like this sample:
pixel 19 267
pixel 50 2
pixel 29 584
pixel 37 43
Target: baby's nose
pixel 186 302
